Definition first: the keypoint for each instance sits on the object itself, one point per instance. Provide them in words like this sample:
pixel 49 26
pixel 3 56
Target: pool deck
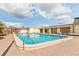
pixel 67 48
pixel 5 42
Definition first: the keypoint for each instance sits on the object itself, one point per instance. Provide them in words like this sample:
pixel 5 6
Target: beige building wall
pixel 34 30
pixel 37 30
pixel 71 29
pixel 58 29
pixel 43 30
pixel 76 29
pixel 49 30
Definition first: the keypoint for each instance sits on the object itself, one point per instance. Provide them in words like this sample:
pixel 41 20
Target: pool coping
pixel 20 44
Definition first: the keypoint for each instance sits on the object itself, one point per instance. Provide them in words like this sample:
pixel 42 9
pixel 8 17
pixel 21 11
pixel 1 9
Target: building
pixel 67 28
pixel 76 25
pixel 64 29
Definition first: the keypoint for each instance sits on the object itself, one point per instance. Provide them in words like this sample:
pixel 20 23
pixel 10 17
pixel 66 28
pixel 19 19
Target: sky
pixel 41 14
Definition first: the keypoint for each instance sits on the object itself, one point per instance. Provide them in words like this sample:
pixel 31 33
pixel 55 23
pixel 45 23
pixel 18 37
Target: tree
pixel 2 26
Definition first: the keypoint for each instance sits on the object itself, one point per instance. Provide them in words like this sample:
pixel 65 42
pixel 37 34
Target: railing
pixel 23 44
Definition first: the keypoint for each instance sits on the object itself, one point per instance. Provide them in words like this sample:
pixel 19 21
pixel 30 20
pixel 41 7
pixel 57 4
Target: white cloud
pixel 61 10
pixel 13 24
pixel 53 10
pixel 42 13
pixel 63 17
pixel 19 10
pixel 46 10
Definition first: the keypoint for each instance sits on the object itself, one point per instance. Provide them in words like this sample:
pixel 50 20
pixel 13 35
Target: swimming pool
pixel 36 41
pixel 38 38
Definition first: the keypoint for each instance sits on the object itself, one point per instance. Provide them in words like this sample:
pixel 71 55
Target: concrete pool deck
pixel 19 43
pixel 66 48
pixel 5 42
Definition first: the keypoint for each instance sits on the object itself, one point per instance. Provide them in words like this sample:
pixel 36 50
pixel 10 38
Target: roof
pixel 76 20
pixel 57 26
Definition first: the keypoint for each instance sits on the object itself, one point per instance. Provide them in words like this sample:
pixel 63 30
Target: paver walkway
pixel 5 43
pixel 67 48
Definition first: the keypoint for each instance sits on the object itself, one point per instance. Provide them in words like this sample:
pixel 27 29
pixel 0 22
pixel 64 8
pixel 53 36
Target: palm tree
pixel 2 27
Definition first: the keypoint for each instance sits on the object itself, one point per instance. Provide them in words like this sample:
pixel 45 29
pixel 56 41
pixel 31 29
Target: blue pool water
pixel 38 38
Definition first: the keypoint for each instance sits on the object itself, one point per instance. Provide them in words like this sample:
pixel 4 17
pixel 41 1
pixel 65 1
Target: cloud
pixel 58 11
pixel 54 11
pixel 13 24
pixel 18 10
pixel 63 17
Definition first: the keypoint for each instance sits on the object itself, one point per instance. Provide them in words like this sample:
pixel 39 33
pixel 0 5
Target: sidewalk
pixel 67 48
pixel 5 43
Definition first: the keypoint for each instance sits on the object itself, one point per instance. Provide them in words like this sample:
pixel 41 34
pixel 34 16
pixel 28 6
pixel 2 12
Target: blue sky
pixel 75 9
pixel 40 17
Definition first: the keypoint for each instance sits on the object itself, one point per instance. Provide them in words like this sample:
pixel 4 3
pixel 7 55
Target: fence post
pixel 23 44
